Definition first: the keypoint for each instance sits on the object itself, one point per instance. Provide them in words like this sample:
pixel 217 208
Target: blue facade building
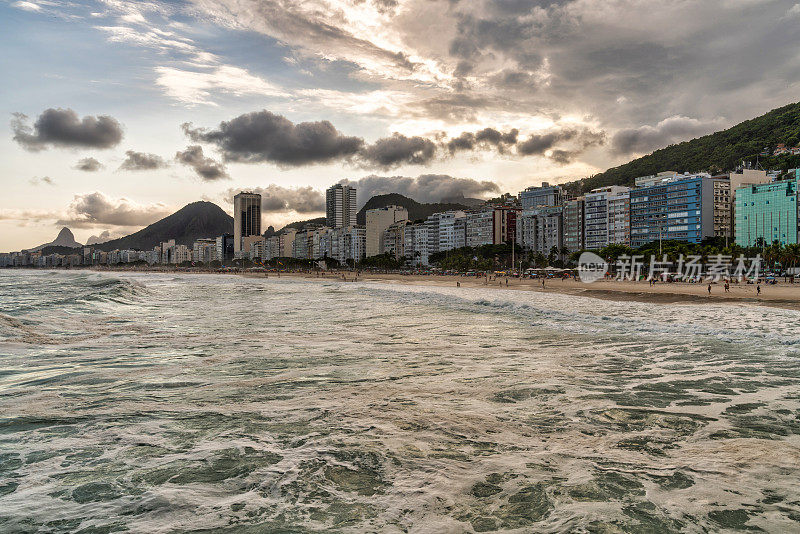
pixel 678 207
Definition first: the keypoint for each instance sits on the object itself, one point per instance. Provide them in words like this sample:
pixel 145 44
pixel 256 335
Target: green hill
pixel 714 153
pixel 185 226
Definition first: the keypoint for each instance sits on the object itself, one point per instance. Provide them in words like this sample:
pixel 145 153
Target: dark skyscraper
pixel 246 217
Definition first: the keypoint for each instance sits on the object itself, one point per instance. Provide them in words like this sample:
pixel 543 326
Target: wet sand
pixel 781 295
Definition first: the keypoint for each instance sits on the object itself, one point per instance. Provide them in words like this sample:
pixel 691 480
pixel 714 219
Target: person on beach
pixel 542 283
pixel 458 284
pixel 758 288
pixel 709 288
pixel 727 287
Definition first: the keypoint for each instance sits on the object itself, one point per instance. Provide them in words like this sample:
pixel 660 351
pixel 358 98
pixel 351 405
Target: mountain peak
pixel 65 235
pixel 65 238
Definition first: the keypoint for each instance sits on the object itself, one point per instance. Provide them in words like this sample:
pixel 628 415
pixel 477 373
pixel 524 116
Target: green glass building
pixel 768 211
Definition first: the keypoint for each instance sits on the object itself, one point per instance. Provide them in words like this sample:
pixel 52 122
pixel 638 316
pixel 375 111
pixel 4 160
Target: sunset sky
pixel 118 113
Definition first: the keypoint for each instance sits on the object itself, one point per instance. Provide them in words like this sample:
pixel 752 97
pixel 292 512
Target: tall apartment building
pixel 416 244
pixel 446 230
pixel 452 230
pixel 204 250
pixel 545 195
pixel 340 206
pixel 505 224
pixel 224 244
pixel 678 207
pixel 378 220
pixel 540 229
pixel 619 217
pixel 606 219
pixel 394 240
pixel 246 217
pixel 480 228
pixel 573 225
pixel 767 211
pixel 167 252
pixel 723 207
pixel 491 226
pixel 351 244
pixel 181 253
pixel 252 247
pixel 742 178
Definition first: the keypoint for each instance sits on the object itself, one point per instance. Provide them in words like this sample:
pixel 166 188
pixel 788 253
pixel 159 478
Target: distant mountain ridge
pixel 716 152
pixel 65 239
pixel 190 223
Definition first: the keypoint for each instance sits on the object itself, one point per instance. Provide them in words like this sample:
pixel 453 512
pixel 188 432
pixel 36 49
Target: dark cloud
pixel 63 128
pixel 206 168
pixel 645 139
pixel 486 138
pixel 142 161
pixel 95 209
pixel 562 157
pixel 266 137
pixel 398 150
pixel 423 188
pixel 88 165
pixel 275 198
pixel 262 136
pixel 580 138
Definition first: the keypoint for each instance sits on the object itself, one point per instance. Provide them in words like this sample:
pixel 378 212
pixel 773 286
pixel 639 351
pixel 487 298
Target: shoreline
pixel 781 295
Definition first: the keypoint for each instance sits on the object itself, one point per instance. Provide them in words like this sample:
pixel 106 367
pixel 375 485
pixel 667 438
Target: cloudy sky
pixel 117 113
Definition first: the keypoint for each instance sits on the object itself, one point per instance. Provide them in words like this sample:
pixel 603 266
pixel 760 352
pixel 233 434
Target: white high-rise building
pixel 607 216
pixel 340 206
pixel 416 244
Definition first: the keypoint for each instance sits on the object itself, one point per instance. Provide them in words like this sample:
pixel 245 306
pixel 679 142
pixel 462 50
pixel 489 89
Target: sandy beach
pixel 781 295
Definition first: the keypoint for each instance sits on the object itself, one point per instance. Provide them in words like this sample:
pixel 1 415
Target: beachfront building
pixel 340 206
pixel 181 254
pixel 378 220
pixel 767 212
pixel 446 230
pixel 224 245
pixel 606 217
pixel 394 240
pixel 415 244
pixel 300 244
pixel 572 217
pixel 280 245
pixel 246 217
pixel 347 244
pixel 204 250
pixel 480 228
pixel 505 224
pixel 540 229
pixel 723 208
pixel 167 253
pixel 452 230
pixel 619 218
pixel 544 195
pixel 491 226
pixel 252 247
pixel 677 207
